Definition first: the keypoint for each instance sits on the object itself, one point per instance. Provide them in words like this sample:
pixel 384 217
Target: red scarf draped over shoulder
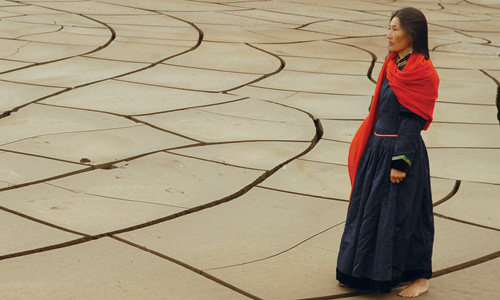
pixel 415 87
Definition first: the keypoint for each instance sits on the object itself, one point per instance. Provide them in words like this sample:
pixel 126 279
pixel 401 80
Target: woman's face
pixel 399 41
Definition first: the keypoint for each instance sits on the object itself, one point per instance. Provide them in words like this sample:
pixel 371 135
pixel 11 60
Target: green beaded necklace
pixel 401 61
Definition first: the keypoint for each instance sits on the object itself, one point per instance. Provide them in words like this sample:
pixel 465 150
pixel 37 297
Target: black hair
pixel 414 23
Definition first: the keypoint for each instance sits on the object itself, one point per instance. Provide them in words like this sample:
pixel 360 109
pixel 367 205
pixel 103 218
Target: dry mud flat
pixel 198 149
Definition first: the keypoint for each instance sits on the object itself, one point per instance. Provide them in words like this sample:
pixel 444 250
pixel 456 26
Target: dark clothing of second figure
pixel 389 231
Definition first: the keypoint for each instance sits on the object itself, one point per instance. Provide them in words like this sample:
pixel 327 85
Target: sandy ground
pixel 197 149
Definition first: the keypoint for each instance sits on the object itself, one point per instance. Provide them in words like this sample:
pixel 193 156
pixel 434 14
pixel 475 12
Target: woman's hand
pixel 397 176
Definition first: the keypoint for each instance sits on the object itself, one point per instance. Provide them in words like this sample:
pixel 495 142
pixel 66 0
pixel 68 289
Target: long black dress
pixel 389 231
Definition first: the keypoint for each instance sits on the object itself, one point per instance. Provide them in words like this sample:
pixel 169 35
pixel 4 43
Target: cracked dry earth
pixel 197 149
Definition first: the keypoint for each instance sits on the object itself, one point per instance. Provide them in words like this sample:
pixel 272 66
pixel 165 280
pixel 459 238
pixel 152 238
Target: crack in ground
pixel 35 84
pixel 279 253
pixel 187 266
pixel 210 69
pixel 128 116
pixel 279 69
pixel 450 195
pixel 464 103
pixel 229 198
pixel 301 194
pixel 113 234
pixel 40 156
pixel 372 64
pixel 39 33
pixel 69 132
pixel 465 222
pixel 463 123
pixel 216 162
pixel 239 117
pixel 111 165
pixel 191 107
pixel 466 265
pixel 45 180
pixel 47 248
pixel 323 162
pixel 164 130
pixel 169 87
pixel 111 39
pixel 114 198
pixel 465 147
pixel 24 216
pixel 18 49
pixel 481 5
pixel 8 113
pixel 315 22
pixel 259 19
pixel 306 92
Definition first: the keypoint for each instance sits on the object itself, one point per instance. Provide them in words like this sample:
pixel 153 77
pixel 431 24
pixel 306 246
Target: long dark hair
pixel 414 24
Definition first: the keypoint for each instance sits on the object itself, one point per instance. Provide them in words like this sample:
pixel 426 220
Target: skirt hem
pixel 381 286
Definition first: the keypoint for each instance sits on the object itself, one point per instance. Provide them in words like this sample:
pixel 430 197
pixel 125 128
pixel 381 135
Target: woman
pixel 389 230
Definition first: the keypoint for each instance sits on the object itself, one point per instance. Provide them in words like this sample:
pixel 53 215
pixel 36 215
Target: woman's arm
pixel 406 145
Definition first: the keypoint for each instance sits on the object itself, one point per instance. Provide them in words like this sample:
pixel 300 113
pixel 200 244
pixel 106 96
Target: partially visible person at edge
pixel 389 231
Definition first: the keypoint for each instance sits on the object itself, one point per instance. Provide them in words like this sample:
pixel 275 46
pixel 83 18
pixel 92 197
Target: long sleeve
pixel 408 136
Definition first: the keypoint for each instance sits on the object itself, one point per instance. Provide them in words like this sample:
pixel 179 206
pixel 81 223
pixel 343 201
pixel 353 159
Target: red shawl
pixel 416 87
